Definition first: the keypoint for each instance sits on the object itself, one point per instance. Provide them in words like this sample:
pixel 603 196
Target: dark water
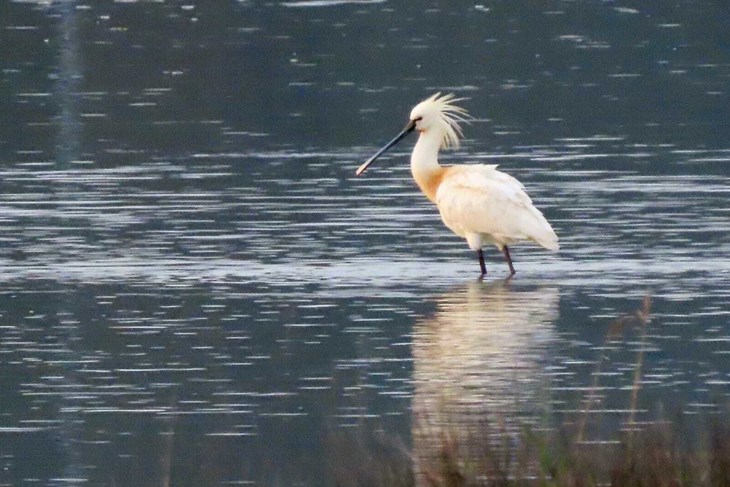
pixel 197 291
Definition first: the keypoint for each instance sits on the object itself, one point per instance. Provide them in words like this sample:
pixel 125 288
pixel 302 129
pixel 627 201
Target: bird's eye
pixel 418 119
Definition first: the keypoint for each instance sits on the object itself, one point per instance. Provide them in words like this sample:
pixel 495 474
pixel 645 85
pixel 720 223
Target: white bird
pixel 476 201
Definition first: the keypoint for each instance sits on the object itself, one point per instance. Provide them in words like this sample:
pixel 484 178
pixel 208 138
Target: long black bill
pixel 407 130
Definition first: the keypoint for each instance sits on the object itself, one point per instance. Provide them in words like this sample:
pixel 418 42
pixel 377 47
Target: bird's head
pixel 441 114
pixel 436 114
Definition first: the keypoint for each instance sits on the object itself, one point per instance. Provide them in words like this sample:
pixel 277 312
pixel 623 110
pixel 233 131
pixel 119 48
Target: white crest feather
pixel 450 116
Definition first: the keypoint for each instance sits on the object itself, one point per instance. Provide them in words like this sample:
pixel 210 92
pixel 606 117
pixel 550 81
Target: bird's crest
pixel 449 116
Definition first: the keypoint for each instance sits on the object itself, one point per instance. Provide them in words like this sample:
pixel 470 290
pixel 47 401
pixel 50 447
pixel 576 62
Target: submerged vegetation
pixel 663 452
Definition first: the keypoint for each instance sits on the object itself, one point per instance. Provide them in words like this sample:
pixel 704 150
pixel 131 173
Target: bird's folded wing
pixel 483 200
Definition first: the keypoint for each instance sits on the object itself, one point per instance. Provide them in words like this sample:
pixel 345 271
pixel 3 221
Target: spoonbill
pixel 476 201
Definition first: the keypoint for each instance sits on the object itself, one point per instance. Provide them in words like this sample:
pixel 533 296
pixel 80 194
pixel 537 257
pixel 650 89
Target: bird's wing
pixel 480 199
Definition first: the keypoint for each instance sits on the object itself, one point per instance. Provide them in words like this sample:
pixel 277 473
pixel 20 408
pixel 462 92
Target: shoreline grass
pixel 657 455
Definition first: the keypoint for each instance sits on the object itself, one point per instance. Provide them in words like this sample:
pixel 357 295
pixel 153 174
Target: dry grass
pixel 655 457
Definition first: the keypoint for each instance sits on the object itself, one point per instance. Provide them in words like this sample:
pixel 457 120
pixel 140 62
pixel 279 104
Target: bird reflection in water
pixel 479 371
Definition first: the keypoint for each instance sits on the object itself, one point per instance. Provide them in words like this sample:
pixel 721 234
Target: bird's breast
pixel 430 180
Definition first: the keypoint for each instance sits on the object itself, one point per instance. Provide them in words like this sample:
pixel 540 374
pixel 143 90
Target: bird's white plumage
pixel 484 205
pixel 440 114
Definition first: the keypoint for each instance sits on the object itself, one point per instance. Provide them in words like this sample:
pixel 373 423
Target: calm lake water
pixel 196 290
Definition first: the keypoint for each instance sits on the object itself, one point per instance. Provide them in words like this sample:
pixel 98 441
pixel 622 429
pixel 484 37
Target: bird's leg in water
pixel 509 260
pixel 480 253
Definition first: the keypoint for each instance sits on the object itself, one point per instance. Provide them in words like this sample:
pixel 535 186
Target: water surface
pixel 196 290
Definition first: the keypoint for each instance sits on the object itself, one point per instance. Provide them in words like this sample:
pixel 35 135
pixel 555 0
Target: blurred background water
pixel 196 290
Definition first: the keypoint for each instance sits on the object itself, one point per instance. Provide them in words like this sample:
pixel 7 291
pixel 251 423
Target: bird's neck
pixel 425 165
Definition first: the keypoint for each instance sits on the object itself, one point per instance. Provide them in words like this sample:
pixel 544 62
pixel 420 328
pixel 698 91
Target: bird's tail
pixel 550 241
pixel 542 233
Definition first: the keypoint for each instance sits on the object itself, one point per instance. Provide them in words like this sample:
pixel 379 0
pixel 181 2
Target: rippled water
pixel 196 290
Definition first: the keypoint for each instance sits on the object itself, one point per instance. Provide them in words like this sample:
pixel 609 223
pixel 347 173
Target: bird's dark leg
pixel 481 261
pixel 509 260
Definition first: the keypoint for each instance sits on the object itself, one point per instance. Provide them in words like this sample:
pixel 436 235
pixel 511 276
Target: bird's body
pixel 476 201
pixel 484 205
